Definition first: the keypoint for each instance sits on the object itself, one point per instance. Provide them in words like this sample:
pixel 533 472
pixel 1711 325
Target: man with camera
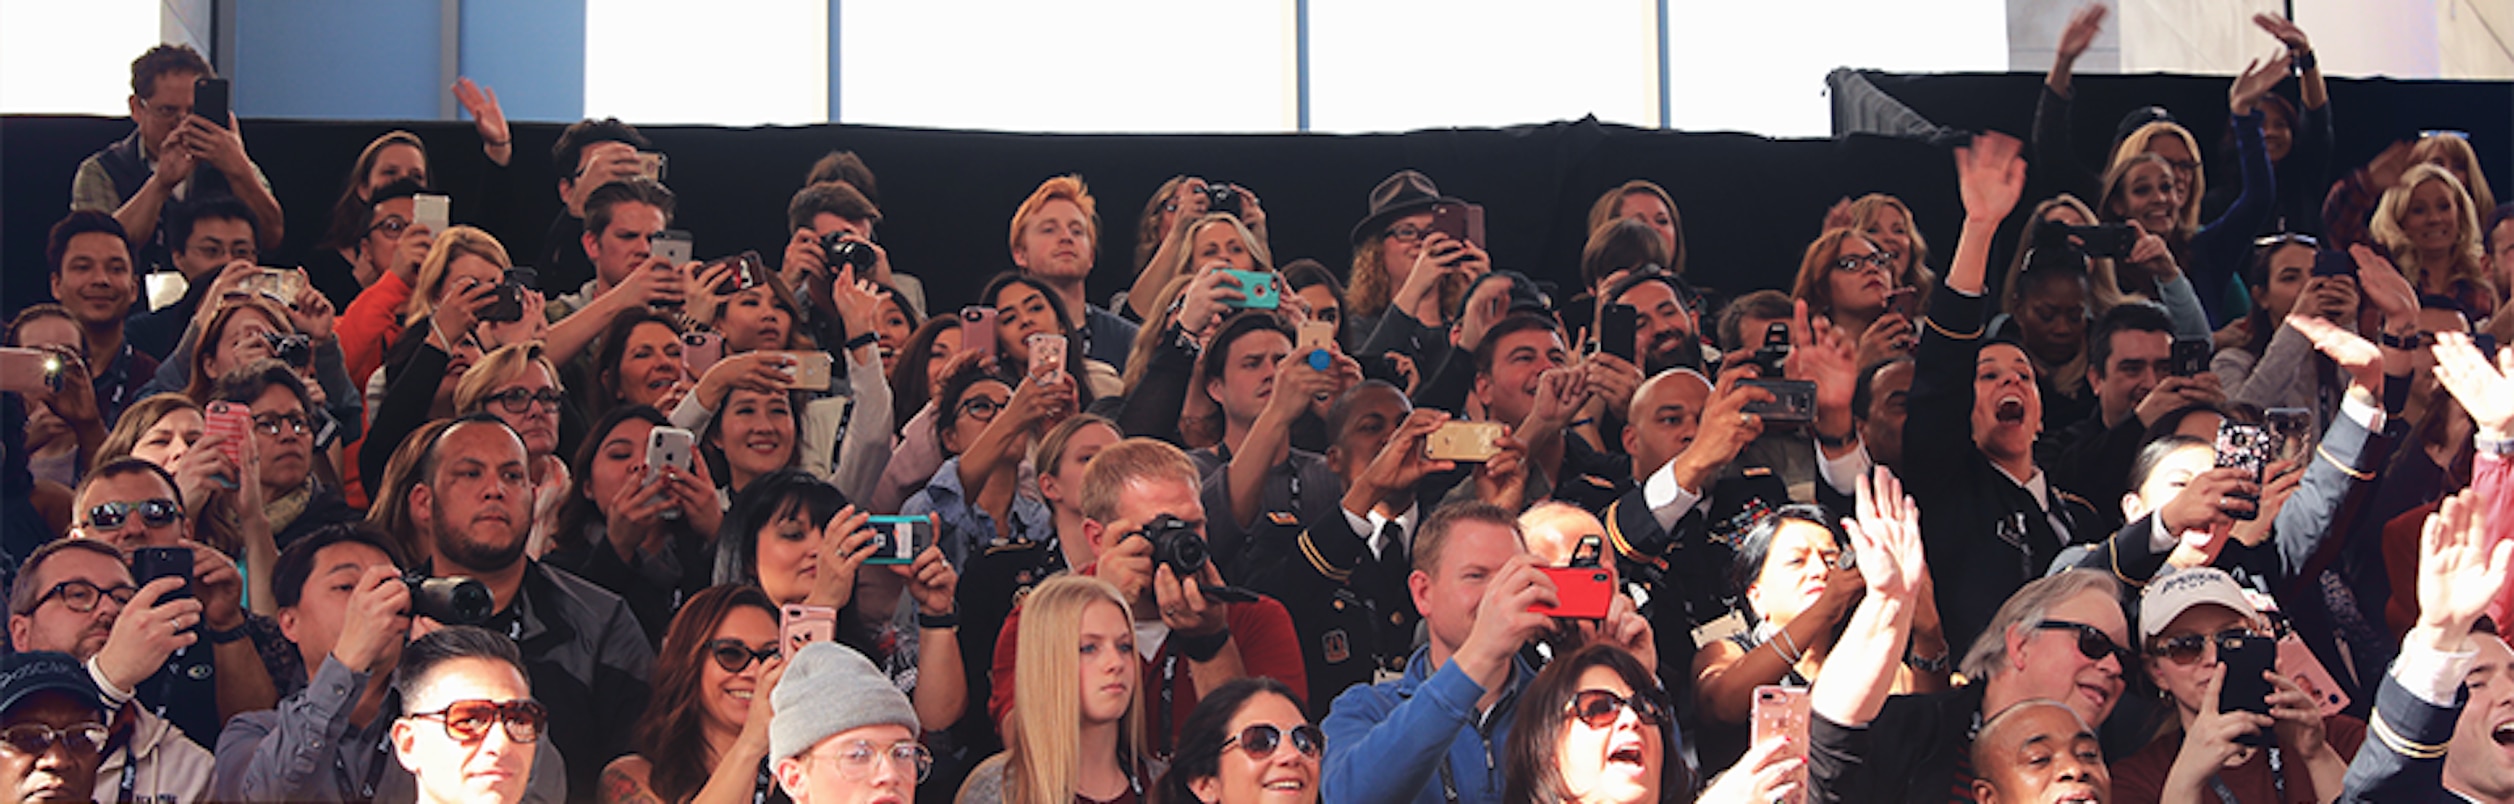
pixel 76 596
pixel 1144 518
pixel 92 276
pixel 1056 237
pixel 343 601
pixel 833 228
pixel 587 657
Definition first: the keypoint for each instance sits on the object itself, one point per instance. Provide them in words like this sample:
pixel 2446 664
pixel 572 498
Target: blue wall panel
pixel 372 59
pixel 532 52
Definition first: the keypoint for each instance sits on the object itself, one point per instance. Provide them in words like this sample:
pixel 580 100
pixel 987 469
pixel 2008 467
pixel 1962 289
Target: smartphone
pixel 151 563
pixel 1472 442
pixel 1586 593
pixel 432 211
pixel 1257 287
pixel 1315 335
pixel 29 371
pixel 209 100
pixel 650 164
pixel 811 370
pixel 1781 713
pixel 1619 331
pixel 799 625
pixel 1904 302
pixel 749 271
pixel 700 349
pixel 2105 240
pixel 1793 401
pixel 1047 356
pixel 2246 657
pixel 667 447
pixel 231 420
pixel 2291 429
pixel 2247 447
pixel 672 246
pixel 2298 664
pixel 977 330
pixel 2334 263
pixel 2190 358
pixel 898 539
pixel 1460 221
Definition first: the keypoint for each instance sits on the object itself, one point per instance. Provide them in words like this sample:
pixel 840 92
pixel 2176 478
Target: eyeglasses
pixel 35 739
pixel 734 657
pixel 394 225
pixel 217 252
pixel 1859 263
pixel 856 760
pixel 1406 234
pixel 1261 741
pixel 156 513
pixel 81 596
pixel 1599 708
pixel 2093 643
pixel 520 400
pixel 270 423
pixel 166 111
pixel 981 408
pixel 469 721
pixel 2187 648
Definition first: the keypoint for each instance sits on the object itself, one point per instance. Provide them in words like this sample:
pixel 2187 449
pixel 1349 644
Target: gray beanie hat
pixel 829 688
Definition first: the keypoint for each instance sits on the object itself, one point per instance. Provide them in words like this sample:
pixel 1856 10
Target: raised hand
pixel 2360 357
pixel 2285 32
pixel 1886 535
pixel 2081 31
pixel 845 544
pixel 2257 80
pixel 2480 384
pixel 1991 175
pixel 2460 570
pixel 487 117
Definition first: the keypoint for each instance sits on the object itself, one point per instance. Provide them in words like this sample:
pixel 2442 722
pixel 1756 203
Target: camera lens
pixel 452 601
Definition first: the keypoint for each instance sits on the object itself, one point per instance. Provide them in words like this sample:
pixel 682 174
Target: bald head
pixel 1553 530
pixel 2039 751
pixel 1666 410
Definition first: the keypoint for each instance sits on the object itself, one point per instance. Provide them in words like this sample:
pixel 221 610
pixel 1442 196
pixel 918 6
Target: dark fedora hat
pixel 1401 194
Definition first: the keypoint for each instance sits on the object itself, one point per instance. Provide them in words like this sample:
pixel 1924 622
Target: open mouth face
pixel 2010 409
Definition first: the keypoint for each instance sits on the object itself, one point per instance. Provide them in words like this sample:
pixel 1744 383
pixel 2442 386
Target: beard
pixel 458 546
pixel 1672 349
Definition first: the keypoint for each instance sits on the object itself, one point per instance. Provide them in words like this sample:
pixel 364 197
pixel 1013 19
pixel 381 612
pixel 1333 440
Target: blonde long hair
pixel 454 243
pixel 2136 144
pixel 2469 262
pixel 1042 764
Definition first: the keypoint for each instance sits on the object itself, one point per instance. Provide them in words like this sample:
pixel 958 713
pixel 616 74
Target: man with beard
pixel 1995 520
pixel 587 657
pixel 1668 332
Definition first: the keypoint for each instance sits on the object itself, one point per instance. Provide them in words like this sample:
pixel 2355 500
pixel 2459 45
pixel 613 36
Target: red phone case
pixel 231 420
pixel 1586 593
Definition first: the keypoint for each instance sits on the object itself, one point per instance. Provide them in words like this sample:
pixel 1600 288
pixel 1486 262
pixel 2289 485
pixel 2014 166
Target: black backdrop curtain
pixel 1750 204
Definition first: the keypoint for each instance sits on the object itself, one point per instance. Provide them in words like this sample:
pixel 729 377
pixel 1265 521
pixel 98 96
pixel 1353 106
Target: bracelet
pixel 862 340
pixel 1200 649
pixel 1581 422
pixel 1787 647
pixel 222 637
pixel 1925 665
pixel 943 622
pixel 2493 446
pixel 497 143
pixel 2305 61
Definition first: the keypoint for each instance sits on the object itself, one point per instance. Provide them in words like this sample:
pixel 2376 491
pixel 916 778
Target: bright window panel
pixel 726 62
pixel 1391 65
pixel 1090 66
pixel 1760 67
pixel 72 58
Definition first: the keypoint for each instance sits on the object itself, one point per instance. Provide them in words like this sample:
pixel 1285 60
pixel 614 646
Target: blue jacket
pixel 1388 741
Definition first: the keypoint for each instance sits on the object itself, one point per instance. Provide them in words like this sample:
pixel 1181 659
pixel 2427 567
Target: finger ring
pixel 1745 418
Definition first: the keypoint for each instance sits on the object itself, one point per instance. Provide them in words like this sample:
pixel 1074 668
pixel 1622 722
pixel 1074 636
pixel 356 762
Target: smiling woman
pixel 706 733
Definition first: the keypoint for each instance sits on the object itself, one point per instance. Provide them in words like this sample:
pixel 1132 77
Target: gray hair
pixel 2031 603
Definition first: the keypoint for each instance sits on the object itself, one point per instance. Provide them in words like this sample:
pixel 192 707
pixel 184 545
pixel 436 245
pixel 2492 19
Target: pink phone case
pixel 2298 664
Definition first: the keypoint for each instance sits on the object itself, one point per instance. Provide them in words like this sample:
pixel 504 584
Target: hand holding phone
pixel 1586 593
pixel 2245 689
pixel 898 539
pixel 799 625
pixel 1781 713
pixel 667 448
pixel 151 563
pixel 977 331
pixel 232 421
pixel 1464 442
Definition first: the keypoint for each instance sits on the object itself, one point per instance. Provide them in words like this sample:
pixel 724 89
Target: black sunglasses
pixel 2187 648
pixel 1599 708
pixel 2093 643
pixel 36 739
pixel 1263 739
pixel 734 657
pixel 469 721
pixel 156 513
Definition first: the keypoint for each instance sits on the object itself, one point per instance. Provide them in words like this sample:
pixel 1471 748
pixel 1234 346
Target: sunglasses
pixel 1599 708
pixel 36 739
pixel 156 513
pixel 520 400
pixel 1262 740
pixel 2093 643
pixel 469 721
pixel 735 657
pixel 1855 263
pixel 2187 648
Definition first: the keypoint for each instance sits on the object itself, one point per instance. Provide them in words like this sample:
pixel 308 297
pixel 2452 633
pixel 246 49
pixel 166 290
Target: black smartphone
pixel 209 99
pixel 509 306
pixel 2334 263
pixel 2246 657
pixel 1618 329
pixel 2105 240
pixel 2190 358
pixel 151 563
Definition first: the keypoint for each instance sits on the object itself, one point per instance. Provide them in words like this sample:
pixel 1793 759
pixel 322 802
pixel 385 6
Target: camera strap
pixel 1161 717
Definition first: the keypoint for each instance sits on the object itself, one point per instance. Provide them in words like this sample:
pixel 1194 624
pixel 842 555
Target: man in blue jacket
pixel 1436 734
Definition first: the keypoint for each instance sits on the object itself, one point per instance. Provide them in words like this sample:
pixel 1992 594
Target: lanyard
pixel 761 785
pixel 2278 781
pixel 1169 677
pixel 130 773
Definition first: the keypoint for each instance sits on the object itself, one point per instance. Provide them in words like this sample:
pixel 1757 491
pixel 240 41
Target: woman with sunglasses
pixel 1594 728
pixel 1246 742
pixel 1080 736
pixel 1846 277
pixel 2183 619
pixel 704 738
pixel 620 525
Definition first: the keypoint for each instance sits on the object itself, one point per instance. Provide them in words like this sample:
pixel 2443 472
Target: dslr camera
pixel 452 601
pixel 295 350
pixel 1222 197
pixel 1176 543
pixel 837 250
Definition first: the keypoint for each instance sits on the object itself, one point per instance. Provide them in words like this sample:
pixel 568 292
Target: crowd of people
pixel 2202 493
